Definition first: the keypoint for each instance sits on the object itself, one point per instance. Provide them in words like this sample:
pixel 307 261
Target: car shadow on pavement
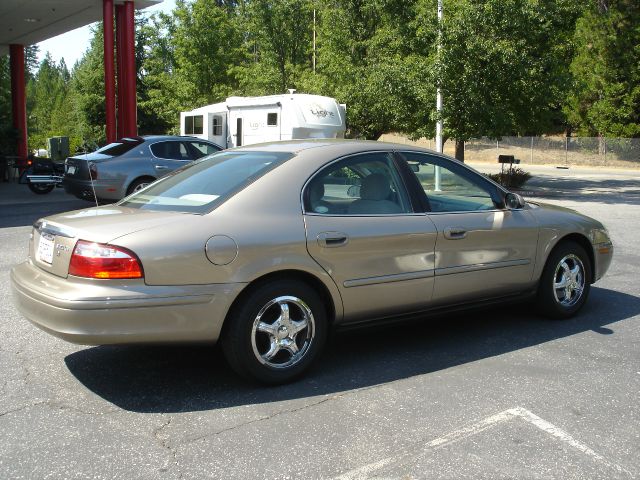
pixel 171 379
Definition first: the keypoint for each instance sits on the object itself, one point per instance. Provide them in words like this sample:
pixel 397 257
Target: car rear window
pixel 203 185
pixel 120 147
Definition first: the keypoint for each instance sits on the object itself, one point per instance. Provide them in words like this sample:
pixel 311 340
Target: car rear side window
pixel 120 148
pixel 200 149
pixel 366 184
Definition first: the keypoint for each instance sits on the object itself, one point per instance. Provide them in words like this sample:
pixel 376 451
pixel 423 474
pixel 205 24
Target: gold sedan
pixel 265 248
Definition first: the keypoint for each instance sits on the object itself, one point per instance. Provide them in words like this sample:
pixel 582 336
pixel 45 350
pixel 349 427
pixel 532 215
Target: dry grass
pixel 546 150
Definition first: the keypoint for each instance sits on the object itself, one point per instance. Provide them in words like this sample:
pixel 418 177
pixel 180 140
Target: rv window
pixel 217 125
pixel 272 119
pixel 193 125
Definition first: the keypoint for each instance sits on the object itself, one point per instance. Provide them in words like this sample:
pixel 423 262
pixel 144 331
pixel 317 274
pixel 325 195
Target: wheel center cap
pixel 283 332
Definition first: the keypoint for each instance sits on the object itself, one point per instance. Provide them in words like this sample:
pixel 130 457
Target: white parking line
pixel 466 432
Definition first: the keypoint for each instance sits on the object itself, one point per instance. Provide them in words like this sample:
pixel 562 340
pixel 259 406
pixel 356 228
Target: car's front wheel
pixel 565 281
pixel 275 332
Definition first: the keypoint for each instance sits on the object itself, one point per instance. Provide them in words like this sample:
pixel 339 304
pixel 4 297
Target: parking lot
pixel 500 393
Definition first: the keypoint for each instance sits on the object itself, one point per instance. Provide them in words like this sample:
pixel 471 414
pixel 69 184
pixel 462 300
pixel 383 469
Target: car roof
pixel 347 145
pixel 170 137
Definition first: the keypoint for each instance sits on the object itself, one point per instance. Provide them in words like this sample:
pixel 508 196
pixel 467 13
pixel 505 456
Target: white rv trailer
pixel 247 120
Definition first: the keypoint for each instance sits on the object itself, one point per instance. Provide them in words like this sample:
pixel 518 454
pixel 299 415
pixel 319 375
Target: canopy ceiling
pixel 27 22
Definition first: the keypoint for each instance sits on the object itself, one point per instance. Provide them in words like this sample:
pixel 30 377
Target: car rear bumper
pixel 108 312
pixel 85 191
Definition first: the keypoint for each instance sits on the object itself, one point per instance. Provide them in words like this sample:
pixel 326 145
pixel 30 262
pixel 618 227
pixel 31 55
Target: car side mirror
pixel 353 191
pixel 513 201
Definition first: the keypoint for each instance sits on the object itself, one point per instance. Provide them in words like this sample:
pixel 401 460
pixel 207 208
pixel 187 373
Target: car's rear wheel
pixel 139 184
pixel 565 281
pixel 275 332
pixel 40 188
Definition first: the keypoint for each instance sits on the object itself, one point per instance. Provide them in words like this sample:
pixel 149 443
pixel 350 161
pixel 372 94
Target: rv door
pixel 238 134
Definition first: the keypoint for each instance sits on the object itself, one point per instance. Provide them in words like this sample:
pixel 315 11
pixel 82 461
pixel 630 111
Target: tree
pixel 502 66
pixel 47 104
pixel 278 45
pixel 207 44
pixel 87 94
pixel 158 107
pixel 605 99
pixel 370 58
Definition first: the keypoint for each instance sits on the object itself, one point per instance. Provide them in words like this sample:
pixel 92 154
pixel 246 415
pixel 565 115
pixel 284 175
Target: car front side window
pixel 170 150
pixel 450 188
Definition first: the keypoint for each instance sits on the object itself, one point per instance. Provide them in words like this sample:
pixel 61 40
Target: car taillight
pixel 96 260
pixel 93 171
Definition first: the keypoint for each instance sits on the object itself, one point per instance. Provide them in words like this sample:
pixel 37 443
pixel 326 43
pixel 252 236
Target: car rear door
pixel 379 252
pixel 483 250
pixel 199 148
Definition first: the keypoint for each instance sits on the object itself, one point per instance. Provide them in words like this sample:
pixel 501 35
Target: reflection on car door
pixel 482 251
pixel 169 155
pixel 381 262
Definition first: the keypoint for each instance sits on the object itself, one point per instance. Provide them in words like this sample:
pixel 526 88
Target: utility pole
pixel 438 102
pixel 438 90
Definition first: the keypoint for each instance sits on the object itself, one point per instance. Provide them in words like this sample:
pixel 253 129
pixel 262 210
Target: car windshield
pixel 206 183
pixel 121 147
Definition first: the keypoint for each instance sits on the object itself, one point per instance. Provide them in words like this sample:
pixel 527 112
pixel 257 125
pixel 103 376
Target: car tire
pixel 139 184
pixel 40 188
pixel 275 332
pixel 565 281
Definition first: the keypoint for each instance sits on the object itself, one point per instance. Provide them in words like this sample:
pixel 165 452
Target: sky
pixel 72 45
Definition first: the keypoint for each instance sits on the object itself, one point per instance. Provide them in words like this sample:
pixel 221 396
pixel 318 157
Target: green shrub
pixel 515 178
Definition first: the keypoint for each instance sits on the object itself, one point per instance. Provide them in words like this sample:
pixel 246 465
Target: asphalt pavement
pixel 494 394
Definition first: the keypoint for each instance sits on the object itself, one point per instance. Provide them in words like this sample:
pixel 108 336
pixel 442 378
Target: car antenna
pixel 89 164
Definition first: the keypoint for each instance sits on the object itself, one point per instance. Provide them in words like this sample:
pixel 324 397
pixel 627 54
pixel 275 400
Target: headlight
pixel 600 235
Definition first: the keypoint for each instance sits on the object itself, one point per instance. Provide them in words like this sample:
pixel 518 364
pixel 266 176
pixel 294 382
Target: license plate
pixel 71 169
pixel 45 248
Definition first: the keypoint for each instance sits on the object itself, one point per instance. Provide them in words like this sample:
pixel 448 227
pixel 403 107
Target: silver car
pixel 123 167
pixel 265 248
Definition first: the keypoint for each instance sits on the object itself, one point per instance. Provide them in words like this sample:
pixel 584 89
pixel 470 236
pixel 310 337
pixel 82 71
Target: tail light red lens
pixel 97 260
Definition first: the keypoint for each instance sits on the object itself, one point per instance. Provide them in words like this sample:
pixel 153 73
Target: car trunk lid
pixel 78 167
pixel 54 238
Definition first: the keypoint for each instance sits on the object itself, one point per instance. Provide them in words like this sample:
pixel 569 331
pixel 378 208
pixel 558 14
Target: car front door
pixel 483 250
pixel 363 229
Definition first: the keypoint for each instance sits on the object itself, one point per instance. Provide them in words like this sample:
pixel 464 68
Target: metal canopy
pixel 26 22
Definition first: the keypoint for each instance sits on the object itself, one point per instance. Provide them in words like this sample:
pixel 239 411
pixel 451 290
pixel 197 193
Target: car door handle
pixel 332 239
pixel 455 233
pixel 162 167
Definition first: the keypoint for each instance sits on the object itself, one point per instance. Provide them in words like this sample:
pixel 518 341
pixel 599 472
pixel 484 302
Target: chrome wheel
pixel 569 280
pixel 140 186
pixel 282 332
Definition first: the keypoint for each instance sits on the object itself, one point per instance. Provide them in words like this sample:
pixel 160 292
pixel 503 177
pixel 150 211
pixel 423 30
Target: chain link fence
pixel 560 151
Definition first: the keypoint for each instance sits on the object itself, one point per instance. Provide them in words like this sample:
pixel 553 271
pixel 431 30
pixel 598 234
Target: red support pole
pixel 18 98
pixel 121 73
pixel 130 101
pixel 109 71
